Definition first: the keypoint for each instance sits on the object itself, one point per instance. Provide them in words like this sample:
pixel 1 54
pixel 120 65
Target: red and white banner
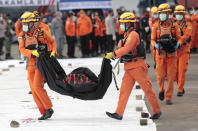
pixel 8 3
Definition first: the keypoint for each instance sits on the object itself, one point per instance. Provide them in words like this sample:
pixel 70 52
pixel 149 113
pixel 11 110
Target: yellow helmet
pixel 28 17
pixel 36 13
pixel 127 17
pixel 154 9
pixel 164 8
pixel 179 9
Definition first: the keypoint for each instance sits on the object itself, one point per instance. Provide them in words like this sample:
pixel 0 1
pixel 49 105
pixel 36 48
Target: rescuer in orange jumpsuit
pixel 152 20
pixel 70 29
pixel 135 68
pixel 166 63
pixel 31 35
pixel 84 29
pixel 183 52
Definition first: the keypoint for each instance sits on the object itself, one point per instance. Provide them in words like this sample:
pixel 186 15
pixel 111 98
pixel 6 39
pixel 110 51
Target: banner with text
pixel 8 3
pixel 84 4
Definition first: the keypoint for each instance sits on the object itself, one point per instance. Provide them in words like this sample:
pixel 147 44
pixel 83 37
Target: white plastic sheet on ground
pixel 70 114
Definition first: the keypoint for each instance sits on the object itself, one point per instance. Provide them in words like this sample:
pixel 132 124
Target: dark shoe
pixel 114 115
pixel 30 92
pixel 169 102
pixel 48 113
pixel 179 93
pixel 161 96
pixel 156 116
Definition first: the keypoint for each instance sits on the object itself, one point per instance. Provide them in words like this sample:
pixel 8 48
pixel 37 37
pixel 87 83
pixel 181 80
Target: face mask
pixel 179 17
pixel 170 16
pixel 122 27
pixel 25 28
pixel 192 12
pixel 163 17
pixel 155 16
pixel 9 21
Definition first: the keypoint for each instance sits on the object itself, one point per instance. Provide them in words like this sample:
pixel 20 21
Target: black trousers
pixel 84 42
pixel 95 45
pixel 103 44
pixel 1 45
pixel 110 43
pixel 71 40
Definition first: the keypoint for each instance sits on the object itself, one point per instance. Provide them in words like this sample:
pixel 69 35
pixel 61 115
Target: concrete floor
pixel 183 114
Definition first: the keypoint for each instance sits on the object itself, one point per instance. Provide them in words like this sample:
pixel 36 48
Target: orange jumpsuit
pixel 152 21
pixel 36 80
pixel 84 26
pixel 45 26
pixel 166 64
pixel 194 38
pixel 134 71
pixel 183 54
pixel 70 27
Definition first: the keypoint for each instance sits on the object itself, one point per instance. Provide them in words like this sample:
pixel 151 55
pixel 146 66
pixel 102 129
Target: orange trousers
pixel 140 75
pixel 166 66
pixel 36 82
pixel 182 65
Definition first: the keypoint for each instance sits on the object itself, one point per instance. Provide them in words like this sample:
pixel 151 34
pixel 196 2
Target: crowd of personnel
pixel 97 33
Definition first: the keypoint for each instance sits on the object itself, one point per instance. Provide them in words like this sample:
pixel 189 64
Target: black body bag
pixel 81 83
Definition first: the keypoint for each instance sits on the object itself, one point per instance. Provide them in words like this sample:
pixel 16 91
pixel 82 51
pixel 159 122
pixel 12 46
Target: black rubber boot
pixel 48 113
pixel 161 96
pixel 114 115
pixel 156 116
pixel 169 102
pixel 180 94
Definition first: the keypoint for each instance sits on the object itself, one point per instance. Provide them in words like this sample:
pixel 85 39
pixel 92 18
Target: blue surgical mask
pixel 25 28
pixel 155 16
pixel 163 17
pixel 179 17
pixel 122 27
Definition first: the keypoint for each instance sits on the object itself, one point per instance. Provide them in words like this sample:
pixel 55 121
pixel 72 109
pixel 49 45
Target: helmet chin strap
pixel 126 29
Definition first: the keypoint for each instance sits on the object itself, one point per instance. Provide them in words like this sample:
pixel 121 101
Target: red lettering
pixel 68 79
pixel 75 79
